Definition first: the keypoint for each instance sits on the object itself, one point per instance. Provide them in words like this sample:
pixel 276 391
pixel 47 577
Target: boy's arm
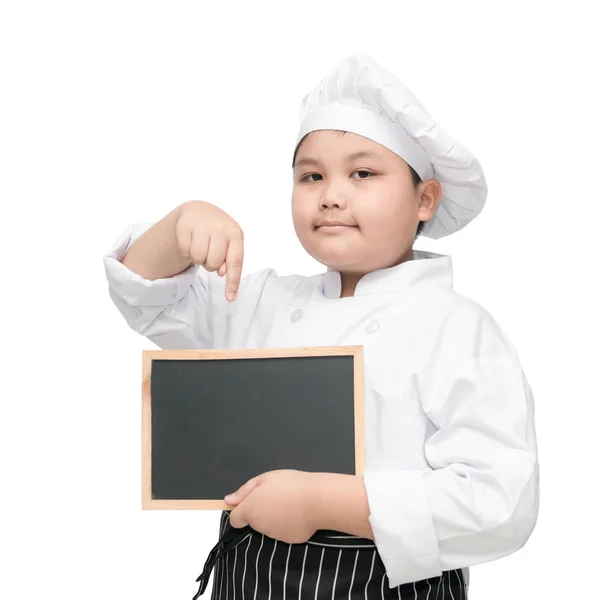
pixel 187 310
pixel 173 312
pixel 154 253
pixel 340 504
pixel 477 503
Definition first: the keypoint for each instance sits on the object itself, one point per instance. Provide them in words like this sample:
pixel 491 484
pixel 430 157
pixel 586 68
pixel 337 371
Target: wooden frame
pixel 149 355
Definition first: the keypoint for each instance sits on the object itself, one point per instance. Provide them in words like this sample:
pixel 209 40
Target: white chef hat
pixel 362 97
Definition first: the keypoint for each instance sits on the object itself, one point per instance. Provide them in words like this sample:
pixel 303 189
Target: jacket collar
pixel 424 269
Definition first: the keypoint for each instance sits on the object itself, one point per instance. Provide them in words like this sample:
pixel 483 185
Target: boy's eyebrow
pixel 347 158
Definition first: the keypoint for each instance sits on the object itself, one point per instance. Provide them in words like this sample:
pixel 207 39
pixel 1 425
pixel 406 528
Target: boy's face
pixel 373 197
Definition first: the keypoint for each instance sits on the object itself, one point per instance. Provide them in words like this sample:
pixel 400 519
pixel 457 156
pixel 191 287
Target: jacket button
pixel 372 327
pixel 296 316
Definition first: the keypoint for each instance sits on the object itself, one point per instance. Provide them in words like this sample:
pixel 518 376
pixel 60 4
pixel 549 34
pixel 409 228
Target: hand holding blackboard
pixel 282 504
pixel 214 419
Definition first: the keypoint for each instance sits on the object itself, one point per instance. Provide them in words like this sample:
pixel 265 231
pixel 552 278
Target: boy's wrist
pixel 317 499
pixel 339 502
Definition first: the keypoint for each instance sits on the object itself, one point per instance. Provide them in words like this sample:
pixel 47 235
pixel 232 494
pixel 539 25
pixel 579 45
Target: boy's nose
pixel 332 200
pixel 328 204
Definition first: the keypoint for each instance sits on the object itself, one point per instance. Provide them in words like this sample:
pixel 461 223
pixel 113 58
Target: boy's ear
pixel 429 198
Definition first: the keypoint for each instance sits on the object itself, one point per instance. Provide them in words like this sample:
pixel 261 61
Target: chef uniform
pixel 451 472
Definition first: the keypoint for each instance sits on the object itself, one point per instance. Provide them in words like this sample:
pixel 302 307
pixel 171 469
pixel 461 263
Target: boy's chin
pixel 339 262
pixel 335 255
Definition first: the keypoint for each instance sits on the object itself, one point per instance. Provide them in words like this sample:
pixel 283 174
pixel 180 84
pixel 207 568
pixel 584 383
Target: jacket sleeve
pixel 479 499
pixel 186 311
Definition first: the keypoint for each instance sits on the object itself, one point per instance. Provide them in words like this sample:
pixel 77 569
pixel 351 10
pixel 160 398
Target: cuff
pixel 134 289
pixel 402 525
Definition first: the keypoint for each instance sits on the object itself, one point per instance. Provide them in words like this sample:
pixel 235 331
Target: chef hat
pixel 362 97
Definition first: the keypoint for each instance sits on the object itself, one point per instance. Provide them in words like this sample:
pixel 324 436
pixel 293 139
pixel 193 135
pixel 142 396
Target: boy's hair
pixel 415 178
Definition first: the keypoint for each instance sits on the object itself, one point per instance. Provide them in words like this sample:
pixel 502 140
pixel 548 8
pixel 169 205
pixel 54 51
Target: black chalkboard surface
pixel 213 419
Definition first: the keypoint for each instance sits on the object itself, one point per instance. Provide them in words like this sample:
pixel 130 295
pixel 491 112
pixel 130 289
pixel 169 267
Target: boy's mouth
pixel 333 226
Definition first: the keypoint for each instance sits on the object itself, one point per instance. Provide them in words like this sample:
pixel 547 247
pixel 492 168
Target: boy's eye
pixel 309 175
pixel 319 175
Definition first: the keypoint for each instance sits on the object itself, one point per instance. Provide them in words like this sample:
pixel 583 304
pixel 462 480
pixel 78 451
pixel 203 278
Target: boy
pixel 452 476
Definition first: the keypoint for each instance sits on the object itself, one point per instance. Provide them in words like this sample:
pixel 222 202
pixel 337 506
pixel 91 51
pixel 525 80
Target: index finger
pixel 234 261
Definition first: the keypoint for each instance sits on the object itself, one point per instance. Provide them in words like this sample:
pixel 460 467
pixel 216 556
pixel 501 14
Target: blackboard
pixel 213 419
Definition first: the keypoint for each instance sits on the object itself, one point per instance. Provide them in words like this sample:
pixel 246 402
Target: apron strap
pixel 231 537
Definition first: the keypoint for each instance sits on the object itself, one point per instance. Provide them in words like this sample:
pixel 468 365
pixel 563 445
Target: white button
pixel 372 327
pixel 296 316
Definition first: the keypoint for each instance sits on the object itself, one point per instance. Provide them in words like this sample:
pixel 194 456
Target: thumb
pixel 237 518
pixel 243 491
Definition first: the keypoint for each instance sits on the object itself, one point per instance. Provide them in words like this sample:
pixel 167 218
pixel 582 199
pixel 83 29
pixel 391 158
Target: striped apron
pixel 333 565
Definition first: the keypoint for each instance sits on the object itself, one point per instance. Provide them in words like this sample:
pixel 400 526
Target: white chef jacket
pixel 451 469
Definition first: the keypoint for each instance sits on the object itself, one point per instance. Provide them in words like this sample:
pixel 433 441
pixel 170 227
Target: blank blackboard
pixel 213 419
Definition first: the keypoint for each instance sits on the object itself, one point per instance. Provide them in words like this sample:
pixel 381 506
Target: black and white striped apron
pixel 333 565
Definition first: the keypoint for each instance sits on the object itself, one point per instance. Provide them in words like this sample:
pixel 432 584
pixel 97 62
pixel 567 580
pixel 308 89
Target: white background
pixel 114 112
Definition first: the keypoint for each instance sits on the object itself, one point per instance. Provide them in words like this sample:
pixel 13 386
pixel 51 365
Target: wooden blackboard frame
pixel 150 355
